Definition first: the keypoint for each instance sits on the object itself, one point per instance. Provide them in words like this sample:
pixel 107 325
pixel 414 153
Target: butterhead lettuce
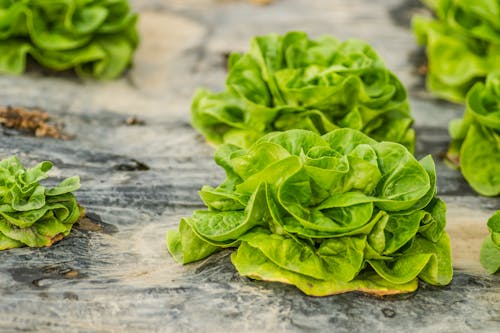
pixel 475 145
pixel 490 251
pixel 328 214
pixel 293 82
pixel 95 37
pixel 462 44
pixel 31 214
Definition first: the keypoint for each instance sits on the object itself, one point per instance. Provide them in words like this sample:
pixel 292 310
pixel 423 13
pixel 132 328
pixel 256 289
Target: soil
pixel 32 121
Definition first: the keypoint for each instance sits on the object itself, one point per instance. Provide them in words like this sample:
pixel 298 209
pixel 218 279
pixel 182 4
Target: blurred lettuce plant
pixel 95 37
pixel 490 251
pixel 475 145
pixel 462 43
pixel 292 82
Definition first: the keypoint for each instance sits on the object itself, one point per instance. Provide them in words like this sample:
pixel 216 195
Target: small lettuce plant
pixel 30 213
pixel 490 251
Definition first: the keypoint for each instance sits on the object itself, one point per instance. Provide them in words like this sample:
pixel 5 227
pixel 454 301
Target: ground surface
pixel 139 180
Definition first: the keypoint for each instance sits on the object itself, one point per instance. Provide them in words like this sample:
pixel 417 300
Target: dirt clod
pixel 261 2
pixel 71 274
pixel 88 225
pixel 133 120
pixel 34 122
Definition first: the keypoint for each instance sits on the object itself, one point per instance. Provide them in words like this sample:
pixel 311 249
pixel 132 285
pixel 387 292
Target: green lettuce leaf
pixel 30 214
pixel 292 82
pixel 329 214
pixel 95 37
pixel 185 246
pixel 428 260
pixel 252 263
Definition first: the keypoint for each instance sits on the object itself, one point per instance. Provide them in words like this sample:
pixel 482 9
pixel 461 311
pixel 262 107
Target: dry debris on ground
pixel 34 122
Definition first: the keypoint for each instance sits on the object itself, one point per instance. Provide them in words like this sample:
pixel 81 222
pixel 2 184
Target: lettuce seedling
pixel 462 44
pixel 490 251
pixel 95 37
pixel 475 145
pixel 292 82
pixel 328 214
pixel 31 214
